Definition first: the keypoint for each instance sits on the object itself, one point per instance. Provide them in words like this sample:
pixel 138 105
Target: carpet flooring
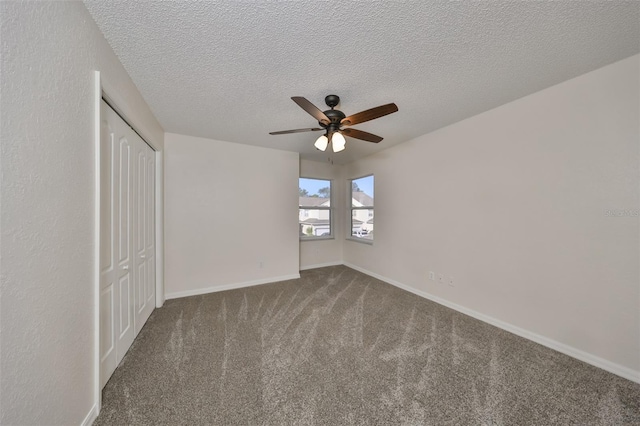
pixel 338 347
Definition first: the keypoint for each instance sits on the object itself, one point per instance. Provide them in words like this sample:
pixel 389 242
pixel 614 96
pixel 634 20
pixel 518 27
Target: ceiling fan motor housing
pixel 335 116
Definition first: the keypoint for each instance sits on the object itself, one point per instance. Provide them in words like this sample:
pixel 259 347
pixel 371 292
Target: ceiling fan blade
pixel 311 109
pixel 369 114
pixel 284 132
pixel 359 134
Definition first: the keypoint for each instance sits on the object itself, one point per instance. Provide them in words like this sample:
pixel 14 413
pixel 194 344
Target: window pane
pixel 314 218
pixel 315 222
pixel 362 192
pixel 362 224
pixel 314 188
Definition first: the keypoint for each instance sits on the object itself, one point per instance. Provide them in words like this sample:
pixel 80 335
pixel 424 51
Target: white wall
pixel 228 207
pixel 49 53
pixel 512 203
pixel 325 252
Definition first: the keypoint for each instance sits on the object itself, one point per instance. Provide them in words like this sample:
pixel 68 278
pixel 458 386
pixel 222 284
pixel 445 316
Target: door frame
pixel 100 92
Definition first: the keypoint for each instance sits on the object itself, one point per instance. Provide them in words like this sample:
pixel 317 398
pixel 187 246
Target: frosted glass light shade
pixel 321 143
pixel 338 142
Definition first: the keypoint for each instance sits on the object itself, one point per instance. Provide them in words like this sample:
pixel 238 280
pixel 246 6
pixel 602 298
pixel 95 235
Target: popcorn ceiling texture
pixel 49 53
pixel 225 70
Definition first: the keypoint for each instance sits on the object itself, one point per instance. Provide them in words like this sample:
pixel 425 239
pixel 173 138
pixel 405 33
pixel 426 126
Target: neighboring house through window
pixel 361 195
pixel 315 208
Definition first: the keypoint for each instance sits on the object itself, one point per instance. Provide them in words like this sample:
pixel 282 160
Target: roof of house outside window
pixel 362 198
pixel 313 202
pixel 315 222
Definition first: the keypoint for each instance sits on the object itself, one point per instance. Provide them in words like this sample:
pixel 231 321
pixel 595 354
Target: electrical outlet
pixel 441 278
pixel 451 281
pixel 432 275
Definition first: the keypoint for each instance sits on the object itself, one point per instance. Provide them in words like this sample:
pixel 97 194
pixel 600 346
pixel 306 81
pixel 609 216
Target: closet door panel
pixel 150 231
pixel 125 288
pixel 144 201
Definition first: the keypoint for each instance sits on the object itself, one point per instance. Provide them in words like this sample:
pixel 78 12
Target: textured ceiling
pixel 226 70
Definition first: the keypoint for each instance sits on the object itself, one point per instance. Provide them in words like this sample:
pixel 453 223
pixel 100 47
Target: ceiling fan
pixel 336 124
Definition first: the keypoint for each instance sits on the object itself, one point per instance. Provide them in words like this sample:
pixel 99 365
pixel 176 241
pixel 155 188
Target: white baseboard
pixel 596 361
pixel 320 265
pixel 213 289
pixel 91 416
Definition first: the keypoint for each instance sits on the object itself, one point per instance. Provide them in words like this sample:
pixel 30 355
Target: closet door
pixel 117 329
pixel 127 238
pixel 144 234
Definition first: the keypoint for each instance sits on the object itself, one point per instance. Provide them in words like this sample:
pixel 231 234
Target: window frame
pixel 352 210
pixel 330 209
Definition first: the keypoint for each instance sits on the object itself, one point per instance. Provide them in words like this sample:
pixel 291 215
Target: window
pixel 314 205
pixel 361 194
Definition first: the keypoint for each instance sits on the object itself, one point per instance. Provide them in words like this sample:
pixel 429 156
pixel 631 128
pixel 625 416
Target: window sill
pixel 330 237
pixel 360 240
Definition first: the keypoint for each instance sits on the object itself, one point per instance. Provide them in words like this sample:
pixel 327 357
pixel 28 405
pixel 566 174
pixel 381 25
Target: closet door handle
pixel 143 256
pixel 125 267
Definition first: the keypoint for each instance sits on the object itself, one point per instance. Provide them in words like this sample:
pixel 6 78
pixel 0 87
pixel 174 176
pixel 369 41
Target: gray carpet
pixel 338 347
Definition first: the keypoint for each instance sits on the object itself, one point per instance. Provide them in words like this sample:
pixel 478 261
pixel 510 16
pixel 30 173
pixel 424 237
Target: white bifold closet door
pixel 127 239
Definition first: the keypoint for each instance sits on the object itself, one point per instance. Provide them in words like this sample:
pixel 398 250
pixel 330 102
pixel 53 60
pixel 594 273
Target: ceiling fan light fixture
pixel 338 142
pixel 331 122
pixel 321 143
